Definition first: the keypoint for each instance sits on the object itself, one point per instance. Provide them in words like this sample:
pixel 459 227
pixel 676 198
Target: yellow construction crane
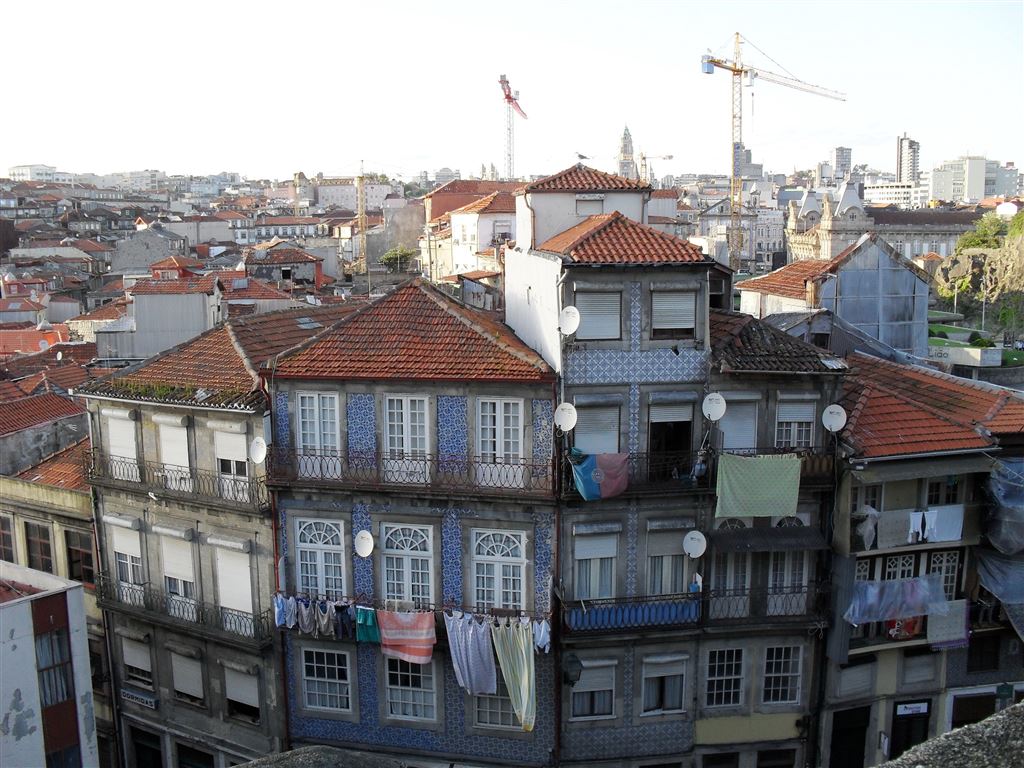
pixel 741 71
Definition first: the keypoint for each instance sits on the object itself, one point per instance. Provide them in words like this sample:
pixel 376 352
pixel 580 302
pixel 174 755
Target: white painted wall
pixel 761 305
pixel 555 212
pixel 531 302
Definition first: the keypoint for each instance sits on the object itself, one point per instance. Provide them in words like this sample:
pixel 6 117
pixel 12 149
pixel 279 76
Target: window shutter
pixel 173 445
pixel 672 412
pixel 597 676
pixel 127 541
pixel 796 411
pixel 589 547
pixel 188 675
pixel 673 309
pixel 121 438
pixel 241 687
pixel 597 430
pixel 739 426
pixel 136 654
pixel 228 446
pixel 233 585
pixel 665 544
pixel 177 555
pixel 656 666
pixel 600 315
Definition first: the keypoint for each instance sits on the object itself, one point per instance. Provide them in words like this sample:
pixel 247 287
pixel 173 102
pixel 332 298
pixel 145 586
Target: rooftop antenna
pixel 511 104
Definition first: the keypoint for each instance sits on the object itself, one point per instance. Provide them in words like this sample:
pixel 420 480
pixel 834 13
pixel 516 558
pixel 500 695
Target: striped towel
pixel 408 636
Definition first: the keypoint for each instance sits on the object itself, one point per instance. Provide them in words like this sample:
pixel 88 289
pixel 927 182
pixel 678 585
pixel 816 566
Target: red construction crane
pixel 511 103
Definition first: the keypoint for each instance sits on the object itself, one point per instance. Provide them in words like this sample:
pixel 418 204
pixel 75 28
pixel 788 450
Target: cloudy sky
pixel 267 89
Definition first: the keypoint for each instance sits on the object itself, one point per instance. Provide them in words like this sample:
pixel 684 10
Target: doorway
pixel 909 726
pixel 849 737
pixel 146 747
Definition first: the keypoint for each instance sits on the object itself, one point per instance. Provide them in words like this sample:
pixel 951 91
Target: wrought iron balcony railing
pixel 191 615
pixel 695 609
pixel 415 471
pixel 178 482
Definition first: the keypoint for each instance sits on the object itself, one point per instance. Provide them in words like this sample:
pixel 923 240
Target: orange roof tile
pixel 205 284
pixel 279 256
pixel 474 187
pixel 580 178
pixel 789 281
pixel 9 391
pixel 665 194
pixel 64 469
pixel 238 286
pixel 27 412
pixel 416 333
pixel 496 202
pixel 112 310
pixel 173 262
pixel 611 238
pixel 80 352
pixel 18 304
pixel 63 376
pixel 25 341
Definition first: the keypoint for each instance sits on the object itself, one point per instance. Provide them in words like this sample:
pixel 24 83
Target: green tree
pixel 398 258
pixel 1016 228
pixel 987 233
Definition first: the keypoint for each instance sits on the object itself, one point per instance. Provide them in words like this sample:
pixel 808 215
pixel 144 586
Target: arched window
pixel 498 563
pixel 320 558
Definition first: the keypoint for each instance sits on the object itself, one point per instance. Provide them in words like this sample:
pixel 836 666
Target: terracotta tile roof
pixel 416 333
pixel 63 377
pixel 740 343
pixel 64 469
pixel 204 284
pixel 665 194
pixel 238 286
pixel 931 256
pixel 279 256
pixel 286 220
pixel 176 262
pixel 963 401
pixel 114 286
pixel 660 220
pixel 9 391
pixel 34 410
pixel 580 178
pixel 26 340
pixel 496 202
pixel 241 310
pixel 18 304
pixel 218 368
pixel 480 274
pixel 475 187
pixel 80 352
pixel 611 238
pixel 112 310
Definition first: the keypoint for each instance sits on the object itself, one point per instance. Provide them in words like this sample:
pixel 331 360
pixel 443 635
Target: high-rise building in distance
pixel 908 159
pixel 842 162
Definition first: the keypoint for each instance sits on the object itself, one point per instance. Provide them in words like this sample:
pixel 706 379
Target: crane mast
pixel 738 69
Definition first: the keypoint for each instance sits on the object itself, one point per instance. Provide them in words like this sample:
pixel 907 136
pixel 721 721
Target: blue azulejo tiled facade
pixel 455 731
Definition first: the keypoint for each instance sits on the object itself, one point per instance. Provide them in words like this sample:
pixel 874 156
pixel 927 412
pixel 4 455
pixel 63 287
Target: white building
pixel 32 172
pixel 478 228
pixel 908 159
pixel 46 684
pixel 972 178
pixel 904 194
pixel 342 193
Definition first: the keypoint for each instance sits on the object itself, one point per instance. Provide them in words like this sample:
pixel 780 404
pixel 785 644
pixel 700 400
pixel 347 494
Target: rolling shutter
pixel 739 426
pixel 664 665
pixel 665 544
pixel 597 430
pixel 597 676
pixel 136 654
pixel 600 315
pixel 188 675
pixel 796 411
pixel 173 445
pixel 673 309
pixel 672 412
pixel 592 547
pixel 241 687
pixel 233 585
pixel 229 446
pixel 177 556
pixel 121 438
pixel 126 541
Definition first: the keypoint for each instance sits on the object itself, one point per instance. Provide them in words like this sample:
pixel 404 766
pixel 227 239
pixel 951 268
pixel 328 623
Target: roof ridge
pixel 855 414
pixel 240 350
pixel 601 222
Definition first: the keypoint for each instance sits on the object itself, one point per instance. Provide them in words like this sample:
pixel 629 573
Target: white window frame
pixel 499 581
pixel 232 465
pixel 724 685
pixel 598 669
pixel 397 570
pixel 497 705
pixel 324 688
pixel 318 439
pixel 402 696
pixel 946 562
pixel 666 560
pixel 405 451
pixel 500 444
pixel 603 330
pixel 313 570
pixel 872 495
pixel 588 569
pixel 658 668
pixel 794 423
pixel 785 670
pixel 668 323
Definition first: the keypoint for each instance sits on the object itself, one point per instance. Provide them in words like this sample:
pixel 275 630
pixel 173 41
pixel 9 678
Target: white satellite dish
pixel 568 320
pixel 833 418
pixel 565 416
pixel 60 356
pixel 695 544
pixel 258 450
pixel 713 406
pixel 364 543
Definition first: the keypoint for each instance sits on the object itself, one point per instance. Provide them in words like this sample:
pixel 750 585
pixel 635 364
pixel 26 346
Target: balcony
pixel 423 473
pixel 183 483
pixel 788 605
pixel 211 621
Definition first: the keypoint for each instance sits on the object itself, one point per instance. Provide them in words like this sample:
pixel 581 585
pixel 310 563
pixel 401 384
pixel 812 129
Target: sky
pixel 270 88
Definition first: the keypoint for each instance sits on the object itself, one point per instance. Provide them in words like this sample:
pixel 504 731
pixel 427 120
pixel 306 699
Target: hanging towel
pixel 392 604
pixel 307 621
pixel 469 643
pixel 366 625
pixel 542 635
pixel 757 486
pixel 407 636
pixel 344 621
pixel 914 527
pixel 948 522
pixel 280 610
pixel 514 646
pixel 930 518
pixel 601 475
pixel 324 613
pixel 291 612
